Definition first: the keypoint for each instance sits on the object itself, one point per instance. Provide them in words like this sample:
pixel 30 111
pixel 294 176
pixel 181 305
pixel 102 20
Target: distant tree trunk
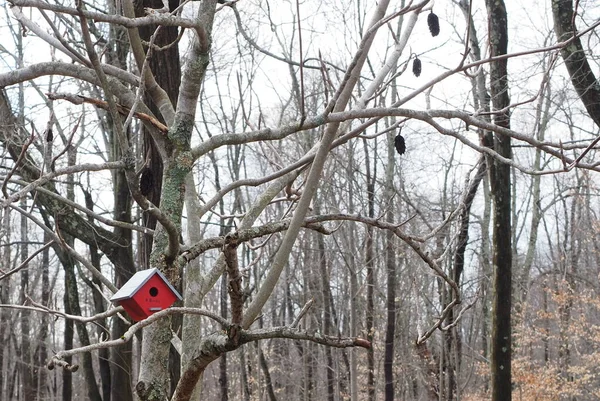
pixel 93 393
pixel 223 383
pixel 41 352
pixel 542 119
pixel 452 336
pixel 327 315
pixel 246 390
pixel 322 288
pixel 354 286
pixel 481 101
pixel 99 306
pixel 268 382
pixel 306 350
pixel 67 375
pixel 27 382
pixel 71 288
pixel 500 181
pixel 546 327
pixel 4 299
pixel 370 264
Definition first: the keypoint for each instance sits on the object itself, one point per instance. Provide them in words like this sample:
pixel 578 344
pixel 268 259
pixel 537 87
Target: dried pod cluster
pixel 434 27
pixel 416 68
pixel 400 144
pixel 434 24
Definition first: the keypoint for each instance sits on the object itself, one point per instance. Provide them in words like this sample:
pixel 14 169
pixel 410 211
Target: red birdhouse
pixel 147 292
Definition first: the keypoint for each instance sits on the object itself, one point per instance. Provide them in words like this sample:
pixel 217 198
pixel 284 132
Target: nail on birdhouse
pixel 146 292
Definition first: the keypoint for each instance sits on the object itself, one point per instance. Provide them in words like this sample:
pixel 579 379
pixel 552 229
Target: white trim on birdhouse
pixel 137 281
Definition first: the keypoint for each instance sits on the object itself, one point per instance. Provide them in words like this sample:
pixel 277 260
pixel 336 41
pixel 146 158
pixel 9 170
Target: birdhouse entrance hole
pixel 153 291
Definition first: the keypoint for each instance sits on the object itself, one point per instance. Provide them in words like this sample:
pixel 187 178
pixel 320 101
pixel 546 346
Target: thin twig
pixel 303 311
pixel 26 261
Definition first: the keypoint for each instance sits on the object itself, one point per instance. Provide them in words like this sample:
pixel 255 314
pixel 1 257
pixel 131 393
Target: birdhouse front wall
pixel 133 309
pixel 153 296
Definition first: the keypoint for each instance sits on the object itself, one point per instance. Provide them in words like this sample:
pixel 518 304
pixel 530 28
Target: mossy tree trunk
pixel 153 383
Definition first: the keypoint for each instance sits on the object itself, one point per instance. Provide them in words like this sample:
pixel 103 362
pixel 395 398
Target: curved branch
pixel 296 334
pixel 58 358
pixel 88 212
pixel 87 74
pixel 63 171
pixel 152 19
pixel 246 235
pixel 77 318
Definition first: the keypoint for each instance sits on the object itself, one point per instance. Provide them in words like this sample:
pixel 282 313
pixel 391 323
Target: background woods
pixel 357 200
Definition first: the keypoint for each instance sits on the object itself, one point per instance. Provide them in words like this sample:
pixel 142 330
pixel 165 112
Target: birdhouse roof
pixel 137 281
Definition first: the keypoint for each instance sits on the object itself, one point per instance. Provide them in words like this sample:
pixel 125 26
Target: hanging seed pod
pixel 417 67
pixel 146 181
pixel 434 24
pixel 400 144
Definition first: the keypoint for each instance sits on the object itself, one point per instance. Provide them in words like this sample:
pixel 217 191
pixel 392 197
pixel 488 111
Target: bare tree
pixel 259 175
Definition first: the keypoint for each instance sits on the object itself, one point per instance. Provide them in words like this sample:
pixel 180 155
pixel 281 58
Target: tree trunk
pixel 223 383
pixel 93 393
pixel 166 67
pixel 101 327
pixel 453 341
pixel 4 299
pixel 41 352
pixel 67 375
pixel 354 285
pixel 153 382
pixel 246 389
pixel 500 181
pixel 370 265
pixel 579 69
pixel 28 387
pixel 268 382
pixel 390 262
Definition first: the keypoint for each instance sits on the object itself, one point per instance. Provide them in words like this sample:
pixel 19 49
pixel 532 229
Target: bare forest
pixel 355 200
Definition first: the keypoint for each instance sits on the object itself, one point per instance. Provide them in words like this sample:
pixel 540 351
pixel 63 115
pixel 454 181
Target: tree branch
pixel 152 19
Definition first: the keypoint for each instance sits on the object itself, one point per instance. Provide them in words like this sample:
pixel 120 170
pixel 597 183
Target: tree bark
pixel 95 285
pixel 265 368
pixel 153 383
pixel 370 264
pixel 27 381
pixel 327 314
pixel 166 67
pixel 453 341
pixel 580 71
pixel 67 375
pixel 4 297
pixel 500 181
pixel 390 261
pixel 41 352
pixel 93 393
pixel 223 382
